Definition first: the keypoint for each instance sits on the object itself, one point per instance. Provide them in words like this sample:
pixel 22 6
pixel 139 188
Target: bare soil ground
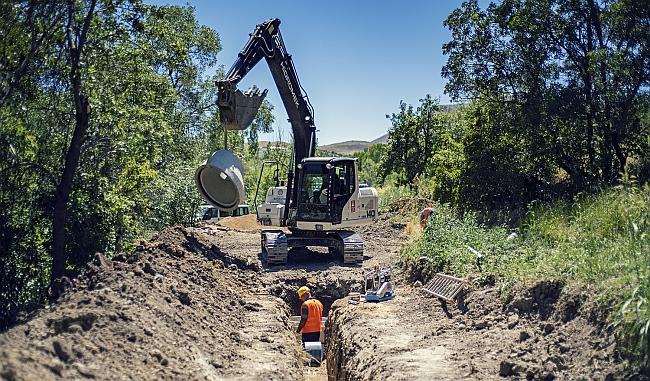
pixel 199 304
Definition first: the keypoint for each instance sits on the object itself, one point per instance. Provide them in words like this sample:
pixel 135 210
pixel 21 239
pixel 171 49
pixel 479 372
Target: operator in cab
pixel 311 315
pixel 324 191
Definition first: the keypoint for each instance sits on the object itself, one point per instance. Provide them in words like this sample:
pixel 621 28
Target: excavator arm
pixel 238 110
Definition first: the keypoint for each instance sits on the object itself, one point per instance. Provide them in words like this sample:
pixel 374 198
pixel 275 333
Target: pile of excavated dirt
pixel 164 313
pixel 539 335
pixel 200 304
pixel 246 222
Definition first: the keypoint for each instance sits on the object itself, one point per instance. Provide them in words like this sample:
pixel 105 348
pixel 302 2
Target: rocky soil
pixel 200 304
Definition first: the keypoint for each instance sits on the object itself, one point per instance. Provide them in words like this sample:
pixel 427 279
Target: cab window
pixel 314 193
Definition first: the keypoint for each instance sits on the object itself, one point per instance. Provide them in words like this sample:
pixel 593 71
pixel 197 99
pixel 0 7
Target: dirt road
pixel 199 304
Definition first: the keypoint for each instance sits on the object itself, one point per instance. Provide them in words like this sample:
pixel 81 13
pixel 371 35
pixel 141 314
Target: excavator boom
pixel 238 109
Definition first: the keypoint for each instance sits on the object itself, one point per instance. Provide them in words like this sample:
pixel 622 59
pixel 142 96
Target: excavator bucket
pixel 237 110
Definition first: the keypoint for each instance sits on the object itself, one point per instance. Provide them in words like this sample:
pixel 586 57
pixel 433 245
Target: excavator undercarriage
pixel 341 243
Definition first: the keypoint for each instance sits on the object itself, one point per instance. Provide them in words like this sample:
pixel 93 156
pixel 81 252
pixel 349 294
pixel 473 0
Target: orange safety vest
pixel 315 316
pixel 423 217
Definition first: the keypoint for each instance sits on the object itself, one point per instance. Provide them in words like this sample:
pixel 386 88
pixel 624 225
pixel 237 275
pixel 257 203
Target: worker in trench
pixel 424 215
pixel 311 314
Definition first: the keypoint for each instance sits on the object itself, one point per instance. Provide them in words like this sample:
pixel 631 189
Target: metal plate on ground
pixel 444 286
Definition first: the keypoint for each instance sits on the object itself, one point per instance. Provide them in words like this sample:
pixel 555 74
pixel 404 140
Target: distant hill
pixel 381 139
pixel 339 149
pixel 352 146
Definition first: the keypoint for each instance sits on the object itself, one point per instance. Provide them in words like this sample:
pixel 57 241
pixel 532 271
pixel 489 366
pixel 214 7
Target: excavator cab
pixel 325 186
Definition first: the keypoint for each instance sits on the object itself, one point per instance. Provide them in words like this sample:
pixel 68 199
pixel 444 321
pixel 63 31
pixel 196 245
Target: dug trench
pixel 199 304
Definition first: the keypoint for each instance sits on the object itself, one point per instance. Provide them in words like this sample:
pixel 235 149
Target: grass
pixel 598 241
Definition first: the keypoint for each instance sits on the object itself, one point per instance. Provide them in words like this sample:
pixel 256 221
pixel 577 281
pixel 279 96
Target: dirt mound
pixel 164 313
pixel 419 338
pixel 247 222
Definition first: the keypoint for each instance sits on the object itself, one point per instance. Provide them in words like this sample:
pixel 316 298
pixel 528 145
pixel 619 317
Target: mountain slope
pixel 352 146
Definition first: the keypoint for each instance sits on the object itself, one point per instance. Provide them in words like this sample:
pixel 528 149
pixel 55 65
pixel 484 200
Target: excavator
pixel 322 199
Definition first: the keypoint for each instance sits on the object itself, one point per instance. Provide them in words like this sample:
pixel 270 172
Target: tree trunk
pixel 82 111
pixel 62 194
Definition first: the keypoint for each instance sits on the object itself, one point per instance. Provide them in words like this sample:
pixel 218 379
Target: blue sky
pixel 356 59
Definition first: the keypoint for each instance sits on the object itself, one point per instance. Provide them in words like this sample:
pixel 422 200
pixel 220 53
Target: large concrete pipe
pixel 220 180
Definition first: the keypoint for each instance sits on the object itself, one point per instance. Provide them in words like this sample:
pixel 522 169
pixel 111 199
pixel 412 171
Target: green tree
pixel 102 102
pixel 369 163
pixel 413 140
pixel 565 81
pixel 445 172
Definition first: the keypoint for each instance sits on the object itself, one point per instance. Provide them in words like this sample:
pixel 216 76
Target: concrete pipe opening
pixel 220 180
